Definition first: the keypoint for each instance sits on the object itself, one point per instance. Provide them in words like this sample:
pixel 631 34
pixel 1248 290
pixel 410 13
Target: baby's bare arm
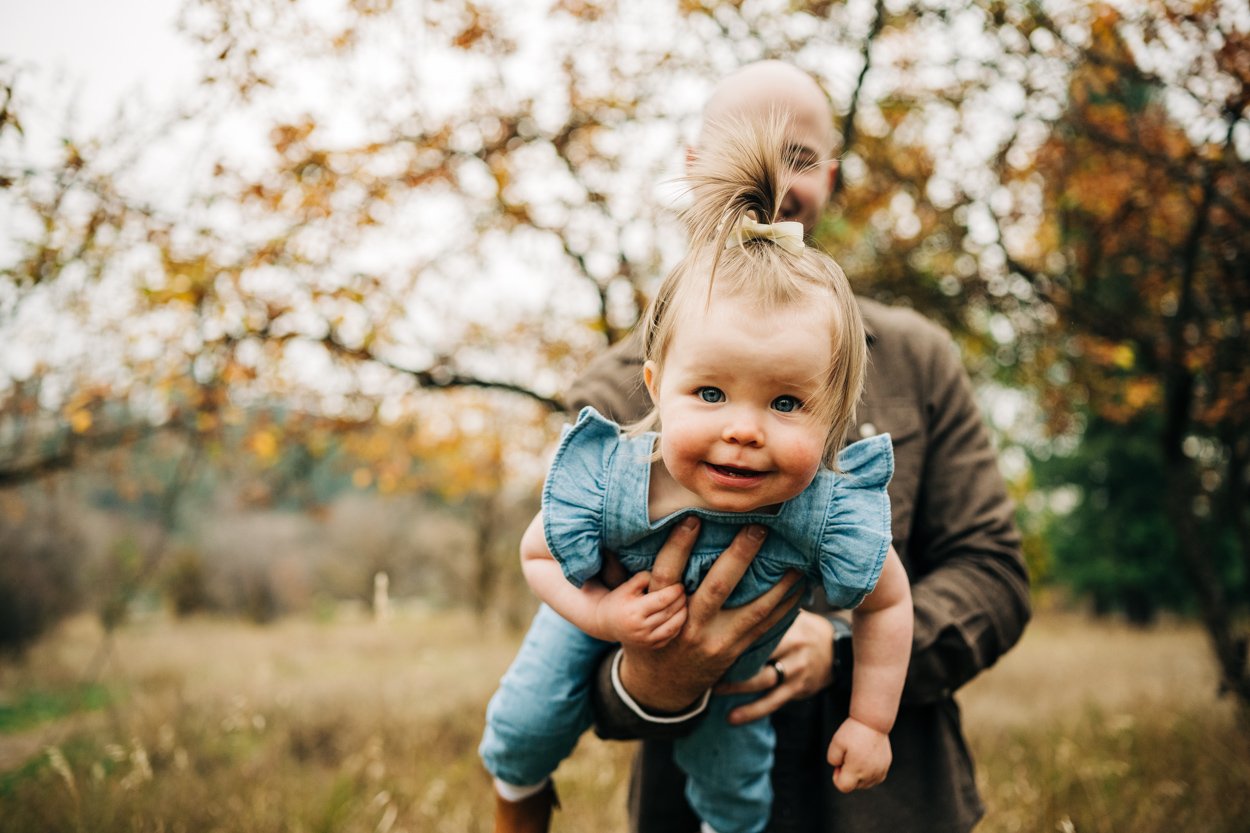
pixel 882 643
pixel 860 750
pixel 627 613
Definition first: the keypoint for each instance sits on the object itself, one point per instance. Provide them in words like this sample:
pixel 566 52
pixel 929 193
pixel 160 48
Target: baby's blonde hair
pixel 742 172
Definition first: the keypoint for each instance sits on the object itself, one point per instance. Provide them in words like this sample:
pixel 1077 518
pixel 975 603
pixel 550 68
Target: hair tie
pixel 787 235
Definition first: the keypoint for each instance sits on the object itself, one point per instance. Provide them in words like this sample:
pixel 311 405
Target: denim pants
pixel 543 706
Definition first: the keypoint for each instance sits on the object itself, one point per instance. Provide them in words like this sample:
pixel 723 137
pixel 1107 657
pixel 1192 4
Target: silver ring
pixel 780 669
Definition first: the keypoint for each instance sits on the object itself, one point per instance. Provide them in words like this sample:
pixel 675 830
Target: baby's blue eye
pixel 712 395
pixel 787 404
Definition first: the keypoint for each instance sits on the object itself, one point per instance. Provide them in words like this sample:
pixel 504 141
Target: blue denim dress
pixel 837 533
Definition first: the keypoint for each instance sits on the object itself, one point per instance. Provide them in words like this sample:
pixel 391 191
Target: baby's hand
pixel 630 615
pixel 860 756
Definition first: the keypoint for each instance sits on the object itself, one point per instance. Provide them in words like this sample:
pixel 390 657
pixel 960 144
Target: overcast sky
pixel 103 49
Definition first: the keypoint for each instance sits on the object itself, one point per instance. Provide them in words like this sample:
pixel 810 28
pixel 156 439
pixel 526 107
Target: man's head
pixel 758 90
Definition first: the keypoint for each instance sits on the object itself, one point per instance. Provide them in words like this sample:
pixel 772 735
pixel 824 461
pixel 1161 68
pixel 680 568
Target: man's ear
pixel 651 378
pixel 833 176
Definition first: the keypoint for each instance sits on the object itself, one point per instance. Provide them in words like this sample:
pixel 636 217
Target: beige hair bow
pixel 787 235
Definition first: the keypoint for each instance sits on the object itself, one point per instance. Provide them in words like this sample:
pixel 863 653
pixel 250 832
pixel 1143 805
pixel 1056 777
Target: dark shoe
pixel 529 815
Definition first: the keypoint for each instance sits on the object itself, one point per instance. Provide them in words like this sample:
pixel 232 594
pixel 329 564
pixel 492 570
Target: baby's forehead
pixel 810 308
pixel 782 355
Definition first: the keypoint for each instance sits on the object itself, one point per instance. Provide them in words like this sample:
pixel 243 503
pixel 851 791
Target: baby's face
pixel 734 398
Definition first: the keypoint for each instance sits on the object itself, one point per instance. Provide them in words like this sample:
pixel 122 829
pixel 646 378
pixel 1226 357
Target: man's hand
pixel 630 615
pixel 806 654
pixel 672 678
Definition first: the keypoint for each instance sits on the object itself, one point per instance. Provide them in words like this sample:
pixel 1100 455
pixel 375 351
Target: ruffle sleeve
pixel 857 533
pixel 573 496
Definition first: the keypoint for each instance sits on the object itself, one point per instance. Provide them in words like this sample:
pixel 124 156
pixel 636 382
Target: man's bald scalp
pixel 766 84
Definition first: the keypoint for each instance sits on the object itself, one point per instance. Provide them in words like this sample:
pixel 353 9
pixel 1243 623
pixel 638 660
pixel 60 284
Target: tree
pixel 1115 545
pixel 466 199
pixel 1149 293
pixel 39 580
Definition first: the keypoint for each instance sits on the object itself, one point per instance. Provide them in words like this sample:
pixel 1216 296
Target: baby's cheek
pixel 803 458
pixel 677 456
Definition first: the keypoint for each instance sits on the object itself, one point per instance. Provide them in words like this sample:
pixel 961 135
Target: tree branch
pixel 440 378
pixel 68 453
pixel 1178 171
pixel 848 122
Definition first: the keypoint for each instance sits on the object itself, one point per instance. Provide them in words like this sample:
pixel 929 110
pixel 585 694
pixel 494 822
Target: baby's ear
pixel 651 378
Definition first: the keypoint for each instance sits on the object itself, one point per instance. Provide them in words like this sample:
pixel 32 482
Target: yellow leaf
pixel 265 444
pixel 80 422
pixel 1123 356
pixel 1142 393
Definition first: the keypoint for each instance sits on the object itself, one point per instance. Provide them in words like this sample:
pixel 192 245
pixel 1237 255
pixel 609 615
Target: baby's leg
pixel 543 703
pixel 728 769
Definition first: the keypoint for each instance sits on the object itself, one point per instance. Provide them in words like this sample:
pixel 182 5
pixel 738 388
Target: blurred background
pixel 289 292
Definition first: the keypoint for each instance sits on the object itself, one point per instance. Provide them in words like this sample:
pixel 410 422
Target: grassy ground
pixel 352 726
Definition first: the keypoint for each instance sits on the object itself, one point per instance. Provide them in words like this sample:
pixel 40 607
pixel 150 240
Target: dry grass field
pixel 356 726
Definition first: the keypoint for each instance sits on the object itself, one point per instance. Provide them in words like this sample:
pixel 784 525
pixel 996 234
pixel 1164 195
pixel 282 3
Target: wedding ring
pixel 780 669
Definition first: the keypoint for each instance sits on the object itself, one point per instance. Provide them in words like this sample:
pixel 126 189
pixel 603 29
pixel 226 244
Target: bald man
pixel 953 528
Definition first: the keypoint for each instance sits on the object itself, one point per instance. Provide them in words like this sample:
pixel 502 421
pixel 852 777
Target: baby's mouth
pixel 734 471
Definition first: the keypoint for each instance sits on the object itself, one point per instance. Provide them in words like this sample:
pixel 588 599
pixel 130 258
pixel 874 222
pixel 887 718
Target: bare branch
pixel 70 452
pixel 440 378
pixel 848 123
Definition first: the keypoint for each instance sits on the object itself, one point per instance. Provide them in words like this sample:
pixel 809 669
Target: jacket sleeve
pixel 969 582
pixel 615 719
pixel 612 384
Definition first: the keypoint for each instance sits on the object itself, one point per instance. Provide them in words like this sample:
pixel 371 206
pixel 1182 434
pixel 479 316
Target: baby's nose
pixel 743 429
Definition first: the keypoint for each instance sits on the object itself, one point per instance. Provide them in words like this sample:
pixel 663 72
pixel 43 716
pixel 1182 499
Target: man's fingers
pixel 784 604
pixel 761 680
pixel 762 707
pixel 771 607
pixel 670 562
pixel 727 571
